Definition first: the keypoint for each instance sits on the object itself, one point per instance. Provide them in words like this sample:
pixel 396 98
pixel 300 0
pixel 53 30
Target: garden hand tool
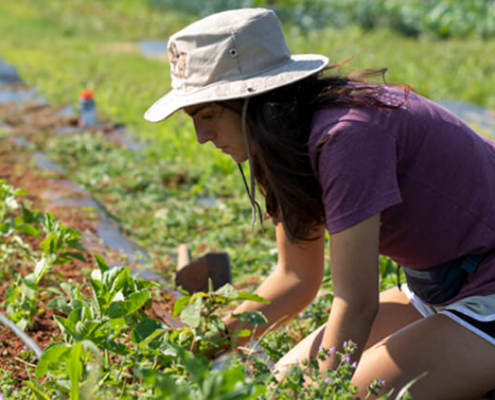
pixel 193 275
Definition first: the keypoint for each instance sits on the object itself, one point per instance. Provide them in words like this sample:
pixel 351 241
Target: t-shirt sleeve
pixel 357 170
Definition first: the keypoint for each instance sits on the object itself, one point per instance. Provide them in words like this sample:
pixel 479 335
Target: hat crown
pixel 226 46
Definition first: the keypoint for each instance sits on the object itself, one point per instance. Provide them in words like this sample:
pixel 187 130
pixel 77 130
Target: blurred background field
pixel 443 49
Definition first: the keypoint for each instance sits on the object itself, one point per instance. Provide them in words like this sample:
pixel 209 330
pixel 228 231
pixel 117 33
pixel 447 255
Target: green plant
pixel 232 383
pixel 11 224
pixel 57 248
pixel 304 380
pixel 129 348
pixel 205 326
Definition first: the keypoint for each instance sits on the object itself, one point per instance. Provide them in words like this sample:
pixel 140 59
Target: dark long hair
pixel 279 124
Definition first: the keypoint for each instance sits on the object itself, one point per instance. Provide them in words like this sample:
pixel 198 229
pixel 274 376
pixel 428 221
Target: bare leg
pixel 460 364
pixel 395 313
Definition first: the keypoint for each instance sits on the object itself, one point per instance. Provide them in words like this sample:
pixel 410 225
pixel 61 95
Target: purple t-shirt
pixel 429 175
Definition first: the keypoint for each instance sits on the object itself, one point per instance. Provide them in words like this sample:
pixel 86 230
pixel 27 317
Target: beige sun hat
pixel 230 55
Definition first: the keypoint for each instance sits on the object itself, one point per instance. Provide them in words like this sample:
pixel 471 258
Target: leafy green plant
pixel 111 328
pixel 57 248
pixel 304 380
pixel 205 327
pixel 10 225
pixel 99 326
pixel 232 383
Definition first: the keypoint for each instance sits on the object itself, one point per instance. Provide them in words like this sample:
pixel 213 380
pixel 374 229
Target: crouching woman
pixel 384 171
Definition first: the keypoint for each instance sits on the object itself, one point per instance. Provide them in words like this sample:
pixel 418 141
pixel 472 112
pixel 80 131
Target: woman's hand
pixel 291 287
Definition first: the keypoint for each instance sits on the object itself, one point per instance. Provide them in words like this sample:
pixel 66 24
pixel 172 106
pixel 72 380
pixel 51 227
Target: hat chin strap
pixel 255 207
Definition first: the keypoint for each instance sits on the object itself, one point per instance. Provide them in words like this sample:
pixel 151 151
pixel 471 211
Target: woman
pixel 384 170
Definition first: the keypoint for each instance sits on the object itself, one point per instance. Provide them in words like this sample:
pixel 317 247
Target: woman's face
pixel 220 125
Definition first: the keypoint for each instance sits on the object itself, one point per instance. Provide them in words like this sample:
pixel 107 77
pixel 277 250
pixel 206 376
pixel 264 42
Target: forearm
pixel 288 295
pixel 347 322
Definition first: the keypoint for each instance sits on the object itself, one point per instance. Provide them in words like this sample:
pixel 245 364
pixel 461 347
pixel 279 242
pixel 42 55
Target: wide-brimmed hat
pixel 230 55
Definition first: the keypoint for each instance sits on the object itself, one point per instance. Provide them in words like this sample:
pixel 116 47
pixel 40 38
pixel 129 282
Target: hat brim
pixel 298 67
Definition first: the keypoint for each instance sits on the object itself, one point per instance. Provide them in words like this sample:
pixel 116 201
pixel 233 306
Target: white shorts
pixel 476 313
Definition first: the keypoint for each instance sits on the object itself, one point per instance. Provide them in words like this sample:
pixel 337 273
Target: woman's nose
pixel 204 135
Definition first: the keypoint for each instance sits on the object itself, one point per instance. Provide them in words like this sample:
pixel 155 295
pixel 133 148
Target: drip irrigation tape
pixel 30 343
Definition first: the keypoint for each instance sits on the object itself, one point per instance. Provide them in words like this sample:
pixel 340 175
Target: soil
pixel 53 192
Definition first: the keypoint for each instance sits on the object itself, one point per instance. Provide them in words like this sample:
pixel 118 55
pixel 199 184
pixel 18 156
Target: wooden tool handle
pixel 182 257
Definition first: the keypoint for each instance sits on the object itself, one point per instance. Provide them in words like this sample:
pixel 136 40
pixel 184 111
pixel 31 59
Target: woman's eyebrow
pixel 198 109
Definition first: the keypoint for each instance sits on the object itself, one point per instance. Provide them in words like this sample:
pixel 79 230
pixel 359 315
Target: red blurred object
pixel 87 109
pixel 86 94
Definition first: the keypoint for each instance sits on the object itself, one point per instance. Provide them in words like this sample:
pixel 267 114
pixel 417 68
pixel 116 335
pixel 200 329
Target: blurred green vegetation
pixel 445 18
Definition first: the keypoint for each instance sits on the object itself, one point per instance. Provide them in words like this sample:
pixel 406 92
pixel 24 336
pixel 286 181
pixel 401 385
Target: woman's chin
pixel 239 159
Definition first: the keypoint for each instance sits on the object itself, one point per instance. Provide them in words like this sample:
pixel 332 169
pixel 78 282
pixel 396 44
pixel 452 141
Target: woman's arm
pixel 291 287
pixel 354 266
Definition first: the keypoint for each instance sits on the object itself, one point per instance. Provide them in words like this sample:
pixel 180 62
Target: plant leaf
pixel 38 390
pixel 255 318
pixel 60 304
pixel 191 314
pixel 40 269
pixel 117 348
pixel 144 329
pixel 47 245
pixel 65 324
pixel 228 291
pixel 77 256
pixel 102 264
pixel 179 305
pixel 84 328
pixel 94 348
pixel 51 360
pixel 75 370
pixel 243 333
pixel 28 229
pixel 252 297
pixel 115 279
pixel 123 308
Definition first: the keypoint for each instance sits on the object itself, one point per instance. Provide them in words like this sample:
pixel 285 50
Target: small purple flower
pixel 320 348
pixel 350 346
pixel 331 351
pixel 375 386
pixel 346 359
pixel 298 363
pixel 354 365
pixel 327 380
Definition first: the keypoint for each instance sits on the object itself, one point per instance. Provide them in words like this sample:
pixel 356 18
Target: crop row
pixel 108 345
